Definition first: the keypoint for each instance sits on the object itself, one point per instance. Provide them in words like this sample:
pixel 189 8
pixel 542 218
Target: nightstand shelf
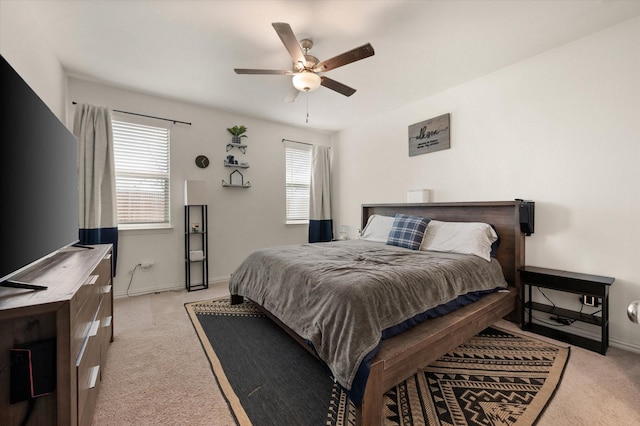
pixel 570 282
pixel 565 313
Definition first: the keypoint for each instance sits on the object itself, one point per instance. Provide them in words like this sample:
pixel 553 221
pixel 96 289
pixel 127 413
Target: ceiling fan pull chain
pixel 307 95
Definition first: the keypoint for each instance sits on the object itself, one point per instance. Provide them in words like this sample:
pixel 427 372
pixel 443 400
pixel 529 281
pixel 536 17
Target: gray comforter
pixel 341 295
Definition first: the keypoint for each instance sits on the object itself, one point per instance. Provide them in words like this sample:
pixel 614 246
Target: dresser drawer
pixel 105 270
pixel 86 291
pixel 106 328
pixel 84 319
pixel 88 374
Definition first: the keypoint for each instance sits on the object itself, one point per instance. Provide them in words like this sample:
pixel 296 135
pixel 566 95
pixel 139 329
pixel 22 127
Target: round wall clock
pixel 202 161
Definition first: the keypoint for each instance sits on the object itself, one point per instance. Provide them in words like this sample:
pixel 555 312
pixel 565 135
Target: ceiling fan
pixel 306 67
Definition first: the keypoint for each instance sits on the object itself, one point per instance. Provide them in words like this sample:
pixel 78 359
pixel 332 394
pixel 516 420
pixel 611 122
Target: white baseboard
pixel 582 332
pixel 216 281
pixel 224 281
pixel 220 280
pixel 149 290
pixel 631 347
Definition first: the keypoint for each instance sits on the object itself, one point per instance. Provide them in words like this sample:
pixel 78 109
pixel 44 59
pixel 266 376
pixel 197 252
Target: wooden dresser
pixel 77 311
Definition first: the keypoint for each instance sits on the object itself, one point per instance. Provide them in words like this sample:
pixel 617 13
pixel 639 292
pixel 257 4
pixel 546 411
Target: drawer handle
pixel 94 328
pixel 107 289
pixel 92 279
pixel 107 321
pixel 94 376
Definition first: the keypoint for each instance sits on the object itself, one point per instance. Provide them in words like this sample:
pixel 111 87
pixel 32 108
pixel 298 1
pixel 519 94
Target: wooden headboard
pixel 503 215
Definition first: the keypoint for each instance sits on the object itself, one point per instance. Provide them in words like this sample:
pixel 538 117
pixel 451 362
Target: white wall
pixel 561 129
pixel 240 220
pixel 23 46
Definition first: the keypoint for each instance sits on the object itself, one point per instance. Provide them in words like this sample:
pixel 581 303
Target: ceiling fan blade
pixel 290 42
pixel 336 86
pixel 257 71
pixel 291 96
pixel 353 55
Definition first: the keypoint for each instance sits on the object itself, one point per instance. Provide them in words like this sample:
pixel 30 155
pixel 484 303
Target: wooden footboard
pixel 401 356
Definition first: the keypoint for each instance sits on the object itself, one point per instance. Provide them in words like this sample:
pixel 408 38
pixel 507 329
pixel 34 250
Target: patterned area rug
pixel 496 378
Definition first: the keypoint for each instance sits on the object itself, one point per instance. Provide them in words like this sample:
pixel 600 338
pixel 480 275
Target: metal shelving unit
pixel 196 239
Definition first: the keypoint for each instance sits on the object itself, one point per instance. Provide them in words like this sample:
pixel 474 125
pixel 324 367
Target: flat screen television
pixel 39 178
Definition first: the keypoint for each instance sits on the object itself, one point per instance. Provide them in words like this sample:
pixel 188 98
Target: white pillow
pixel 377 228
pixel 460 237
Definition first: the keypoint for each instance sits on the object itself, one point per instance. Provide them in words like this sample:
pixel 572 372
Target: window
pixel 142 175
pixel 298 181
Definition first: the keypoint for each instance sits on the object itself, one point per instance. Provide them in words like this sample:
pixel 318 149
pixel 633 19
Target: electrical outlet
pixel 146 265
pixel 590 300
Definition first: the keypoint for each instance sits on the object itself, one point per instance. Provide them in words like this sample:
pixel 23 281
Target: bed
pixel 391 360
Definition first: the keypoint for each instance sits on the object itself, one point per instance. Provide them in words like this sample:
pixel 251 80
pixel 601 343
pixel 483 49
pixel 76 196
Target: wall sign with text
pixel 429 135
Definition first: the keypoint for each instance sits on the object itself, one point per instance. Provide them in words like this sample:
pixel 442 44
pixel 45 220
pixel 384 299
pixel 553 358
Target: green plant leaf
pixel 237 131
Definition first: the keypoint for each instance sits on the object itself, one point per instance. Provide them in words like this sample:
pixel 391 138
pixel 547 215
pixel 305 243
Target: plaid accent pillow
pixel 407 231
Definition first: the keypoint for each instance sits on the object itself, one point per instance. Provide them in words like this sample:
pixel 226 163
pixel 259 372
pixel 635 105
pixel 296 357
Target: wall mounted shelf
pixel 241 147
pixel 236 178
pixel 228 185
pixel 239 166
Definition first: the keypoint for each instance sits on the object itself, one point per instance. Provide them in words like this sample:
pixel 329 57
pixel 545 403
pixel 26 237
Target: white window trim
pixel 143 226
pixel 297 222
pixel 149 174
pixel 307 150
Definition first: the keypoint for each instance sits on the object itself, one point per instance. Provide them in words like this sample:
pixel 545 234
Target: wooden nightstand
pixel 571 282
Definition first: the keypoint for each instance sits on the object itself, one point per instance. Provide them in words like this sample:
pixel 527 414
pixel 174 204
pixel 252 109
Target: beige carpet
pixel 158 373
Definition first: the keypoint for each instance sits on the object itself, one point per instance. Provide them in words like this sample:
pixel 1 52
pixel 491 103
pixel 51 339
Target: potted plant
pixel 237 132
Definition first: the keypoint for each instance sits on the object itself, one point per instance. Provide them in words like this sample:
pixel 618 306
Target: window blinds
pixel 298 181
pixel 142 174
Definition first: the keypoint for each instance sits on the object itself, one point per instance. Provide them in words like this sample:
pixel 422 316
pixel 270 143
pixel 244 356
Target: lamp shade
pixel 195 193
pixel 306 81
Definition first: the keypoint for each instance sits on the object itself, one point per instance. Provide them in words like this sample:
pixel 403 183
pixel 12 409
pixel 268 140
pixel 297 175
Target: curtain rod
pixel 144 115
pixel 303 143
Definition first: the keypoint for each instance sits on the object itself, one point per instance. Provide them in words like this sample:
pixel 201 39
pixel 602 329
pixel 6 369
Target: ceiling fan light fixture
pixel 306 81
pixel 305 67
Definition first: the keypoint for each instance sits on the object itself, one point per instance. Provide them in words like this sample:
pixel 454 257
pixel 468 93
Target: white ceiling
pixel 186 50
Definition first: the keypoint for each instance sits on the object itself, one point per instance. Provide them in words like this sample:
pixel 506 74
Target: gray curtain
pixel 320 222
pixel 97 179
